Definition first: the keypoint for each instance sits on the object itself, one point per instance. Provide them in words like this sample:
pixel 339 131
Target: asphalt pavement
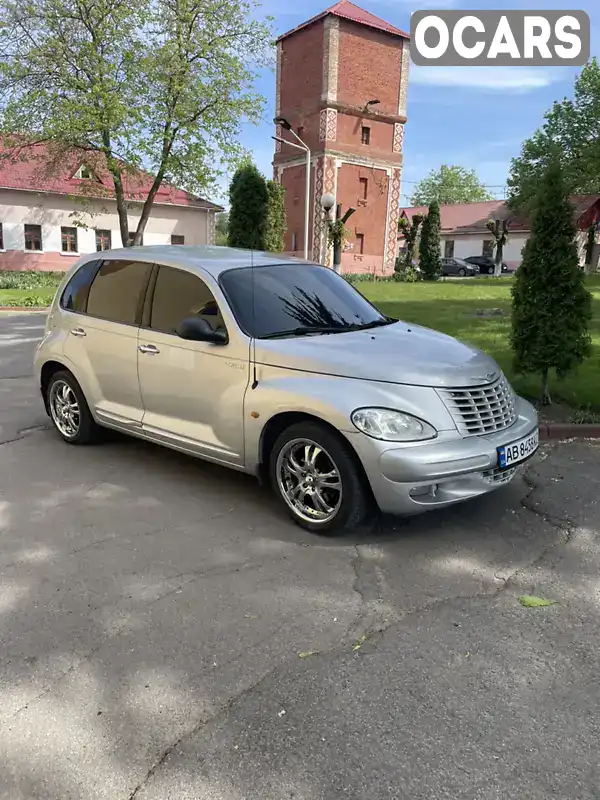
pixel 165 632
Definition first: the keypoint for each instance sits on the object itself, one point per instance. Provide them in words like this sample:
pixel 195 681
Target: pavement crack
pixel 374 614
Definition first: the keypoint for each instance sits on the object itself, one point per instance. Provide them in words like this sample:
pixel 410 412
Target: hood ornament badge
pixel 485 378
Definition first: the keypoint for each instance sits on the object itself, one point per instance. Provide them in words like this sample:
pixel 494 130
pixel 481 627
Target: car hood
pixel 397 353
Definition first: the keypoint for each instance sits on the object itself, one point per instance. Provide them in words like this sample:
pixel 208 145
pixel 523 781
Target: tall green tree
pixel 249 208
pixel 221 228
pixel 430 250
pixel 571 128
pixel 450 185
pixel 551 306
pixel 276 224
pixel 156 84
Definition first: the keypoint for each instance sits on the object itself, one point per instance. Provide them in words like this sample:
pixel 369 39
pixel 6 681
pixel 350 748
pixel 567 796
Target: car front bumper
pixel 413 479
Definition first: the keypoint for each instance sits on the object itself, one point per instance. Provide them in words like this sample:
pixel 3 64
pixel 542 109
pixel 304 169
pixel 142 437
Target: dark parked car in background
pixel 486 264
pixel 457 266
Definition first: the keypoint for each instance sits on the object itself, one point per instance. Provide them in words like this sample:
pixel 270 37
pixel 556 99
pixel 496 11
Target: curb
pixel 560 430
pixel 24 309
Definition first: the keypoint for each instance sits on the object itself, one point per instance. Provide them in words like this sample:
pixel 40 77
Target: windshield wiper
pixel 308 331
pixel 378 323
pixel 329 329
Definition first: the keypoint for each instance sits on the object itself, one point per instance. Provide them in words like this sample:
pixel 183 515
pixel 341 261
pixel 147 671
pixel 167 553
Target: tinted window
pixel 118 290
pixel 269 300
pixel 179 294
pixel 75 295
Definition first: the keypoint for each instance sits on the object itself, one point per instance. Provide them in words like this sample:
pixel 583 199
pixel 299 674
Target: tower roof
pixel 347 10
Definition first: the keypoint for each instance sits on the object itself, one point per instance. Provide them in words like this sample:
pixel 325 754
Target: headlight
pixel 391 426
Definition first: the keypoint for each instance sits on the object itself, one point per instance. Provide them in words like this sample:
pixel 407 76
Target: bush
pixel 29 280
pixel 33 301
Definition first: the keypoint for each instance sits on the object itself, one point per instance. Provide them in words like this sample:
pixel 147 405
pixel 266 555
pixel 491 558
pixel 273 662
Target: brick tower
pixel 329 70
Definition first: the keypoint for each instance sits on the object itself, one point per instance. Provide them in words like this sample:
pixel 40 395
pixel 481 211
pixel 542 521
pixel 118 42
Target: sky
pixel 475 117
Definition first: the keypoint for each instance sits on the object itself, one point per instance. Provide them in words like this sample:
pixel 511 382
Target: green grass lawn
pixel 450 306
pixel 447 306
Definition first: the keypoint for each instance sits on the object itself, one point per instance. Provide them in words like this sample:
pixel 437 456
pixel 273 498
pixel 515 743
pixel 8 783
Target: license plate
pixel 514 453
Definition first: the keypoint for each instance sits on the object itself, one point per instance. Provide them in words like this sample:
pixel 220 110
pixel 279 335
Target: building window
pixel 1 237
pixel 366 135
pixel 364 187
pixel 103 240
pixel 68 240
pixel 33 237
pixel 177 239
pixel 449 248
pixel 132 237
pixel 360 239
pixel 488 248
pixel 84 173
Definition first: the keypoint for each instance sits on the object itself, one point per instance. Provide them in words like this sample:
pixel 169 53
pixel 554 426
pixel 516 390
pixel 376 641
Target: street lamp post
pixel 301 146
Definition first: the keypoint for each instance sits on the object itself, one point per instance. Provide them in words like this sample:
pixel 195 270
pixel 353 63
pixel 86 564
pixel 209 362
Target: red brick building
pixel 328 69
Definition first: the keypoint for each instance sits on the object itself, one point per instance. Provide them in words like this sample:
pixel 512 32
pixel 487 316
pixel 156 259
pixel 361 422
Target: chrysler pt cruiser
pixel 279 368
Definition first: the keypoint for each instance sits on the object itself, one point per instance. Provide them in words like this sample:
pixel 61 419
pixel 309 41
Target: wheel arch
pixel 50 368
pixel 279 422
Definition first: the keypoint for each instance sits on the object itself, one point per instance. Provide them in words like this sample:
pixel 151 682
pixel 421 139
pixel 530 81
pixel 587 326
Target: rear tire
pixel 69 411
pixel 318 479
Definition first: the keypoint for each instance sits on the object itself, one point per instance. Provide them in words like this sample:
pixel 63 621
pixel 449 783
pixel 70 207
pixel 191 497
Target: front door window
pixel 179 294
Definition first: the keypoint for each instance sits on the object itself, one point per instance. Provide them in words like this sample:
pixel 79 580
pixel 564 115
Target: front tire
pixel 462 272
pixel 69 411
pixel 317 477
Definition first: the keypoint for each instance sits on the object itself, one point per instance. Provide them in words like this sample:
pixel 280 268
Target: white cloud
pixel 491 79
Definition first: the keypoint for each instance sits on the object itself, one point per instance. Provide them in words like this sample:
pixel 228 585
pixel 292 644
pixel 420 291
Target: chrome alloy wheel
pixel 64 409
pixel 309 481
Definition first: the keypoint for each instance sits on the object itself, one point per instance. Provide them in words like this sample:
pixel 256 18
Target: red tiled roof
pixel 472 217
pixel 35 168
pixel 347 10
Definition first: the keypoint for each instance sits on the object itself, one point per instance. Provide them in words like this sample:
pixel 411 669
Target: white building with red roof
pixel 51 213
pixel 463 230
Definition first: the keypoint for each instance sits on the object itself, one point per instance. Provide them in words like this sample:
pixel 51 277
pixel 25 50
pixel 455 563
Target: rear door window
pixel 118 290
pixel 75 294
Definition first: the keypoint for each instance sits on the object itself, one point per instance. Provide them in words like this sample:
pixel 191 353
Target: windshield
pixel 296 299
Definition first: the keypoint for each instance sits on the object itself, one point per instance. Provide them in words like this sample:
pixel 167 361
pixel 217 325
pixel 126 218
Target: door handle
pixel 78 332
pixel 150 349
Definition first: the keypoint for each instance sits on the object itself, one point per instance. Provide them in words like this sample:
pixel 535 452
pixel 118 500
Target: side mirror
pixel 196 329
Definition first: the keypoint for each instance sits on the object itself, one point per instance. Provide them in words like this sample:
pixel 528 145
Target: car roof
pixel 214 260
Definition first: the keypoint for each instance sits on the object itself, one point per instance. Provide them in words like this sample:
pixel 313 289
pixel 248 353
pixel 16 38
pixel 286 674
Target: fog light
pixel 423 491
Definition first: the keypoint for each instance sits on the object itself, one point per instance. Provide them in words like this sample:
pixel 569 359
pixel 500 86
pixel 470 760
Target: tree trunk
pixel 147 208
pixel 498 265
pixel 117 177
pixel 545 399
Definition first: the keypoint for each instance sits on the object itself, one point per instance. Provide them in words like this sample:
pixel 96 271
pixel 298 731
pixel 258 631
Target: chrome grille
pixel 482 409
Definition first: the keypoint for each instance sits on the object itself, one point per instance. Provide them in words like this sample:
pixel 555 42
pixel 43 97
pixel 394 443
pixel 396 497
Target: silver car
pixel 279 368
